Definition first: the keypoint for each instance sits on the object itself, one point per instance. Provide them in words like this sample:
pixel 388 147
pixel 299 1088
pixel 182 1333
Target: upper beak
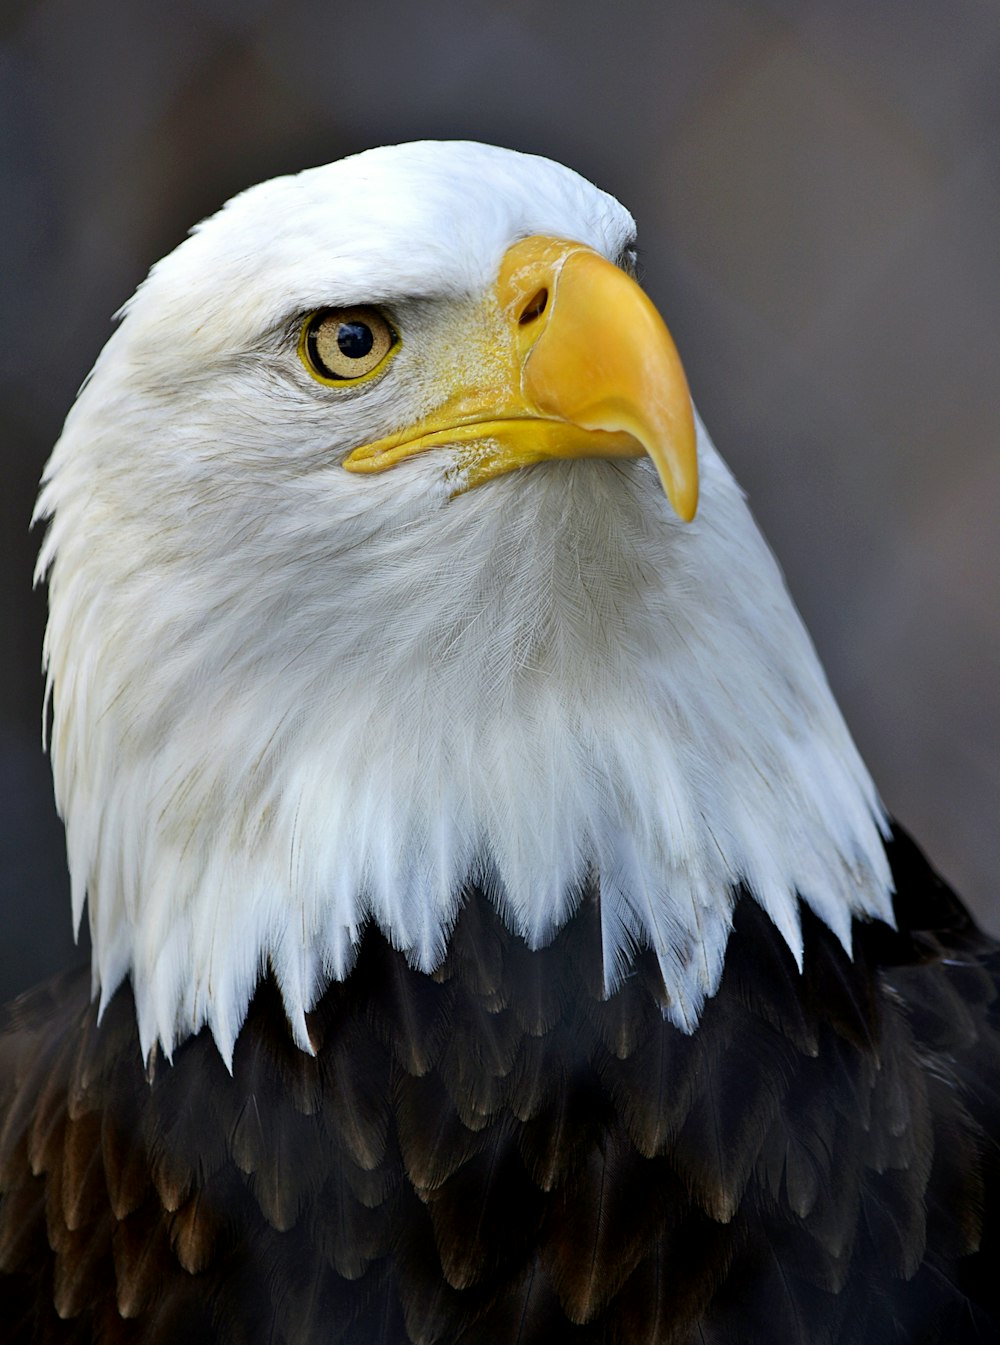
pixel 588 369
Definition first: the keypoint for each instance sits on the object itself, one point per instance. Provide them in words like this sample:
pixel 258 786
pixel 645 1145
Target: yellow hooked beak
pixel 586 369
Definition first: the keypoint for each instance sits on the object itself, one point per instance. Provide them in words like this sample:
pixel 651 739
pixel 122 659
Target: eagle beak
pixel 587 369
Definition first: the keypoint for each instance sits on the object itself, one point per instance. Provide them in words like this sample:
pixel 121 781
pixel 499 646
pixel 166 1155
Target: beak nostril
pixel 534 308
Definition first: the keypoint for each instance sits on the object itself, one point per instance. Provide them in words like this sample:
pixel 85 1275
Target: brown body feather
pixel 497 1154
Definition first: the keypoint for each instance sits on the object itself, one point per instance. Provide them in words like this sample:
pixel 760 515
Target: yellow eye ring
pixel 342 346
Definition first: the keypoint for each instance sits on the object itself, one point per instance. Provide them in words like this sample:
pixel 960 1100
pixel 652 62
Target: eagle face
pixel 372 575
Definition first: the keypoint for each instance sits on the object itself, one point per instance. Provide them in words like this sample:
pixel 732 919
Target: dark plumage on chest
pixel 498 1154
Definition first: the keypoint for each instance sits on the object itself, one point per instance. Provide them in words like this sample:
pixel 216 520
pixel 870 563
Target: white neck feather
pixel 564 686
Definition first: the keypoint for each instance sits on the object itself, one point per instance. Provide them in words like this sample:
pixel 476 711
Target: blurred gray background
pixel 817 185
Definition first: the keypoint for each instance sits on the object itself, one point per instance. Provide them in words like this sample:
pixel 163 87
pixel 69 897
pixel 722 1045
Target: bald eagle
pixel 497 937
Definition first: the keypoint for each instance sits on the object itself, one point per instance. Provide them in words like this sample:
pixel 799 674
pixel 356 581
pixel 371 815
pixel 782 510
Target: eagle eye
pixel 346 345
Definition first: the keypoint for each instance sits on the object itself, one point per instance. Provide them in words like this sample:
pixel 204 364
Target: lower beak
pixel 588 370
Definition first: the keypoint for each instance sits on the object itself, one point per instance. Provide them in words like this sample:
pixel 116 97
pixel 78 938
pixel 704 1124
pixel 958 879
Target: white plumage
pixel 287 698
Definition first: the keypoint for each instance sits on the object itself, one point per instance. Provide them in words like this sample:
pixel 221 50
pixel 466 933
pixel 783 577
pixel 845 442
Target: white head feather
pixel 288 699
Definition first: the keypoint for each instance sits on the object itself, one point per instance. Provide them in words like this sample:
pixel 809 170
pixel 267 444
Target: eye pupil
pixel 355 339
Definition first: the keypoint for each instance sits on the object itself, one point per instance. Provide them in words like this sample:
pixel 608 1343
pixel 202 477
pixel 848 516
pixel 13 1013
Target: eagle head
pixel 375 573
